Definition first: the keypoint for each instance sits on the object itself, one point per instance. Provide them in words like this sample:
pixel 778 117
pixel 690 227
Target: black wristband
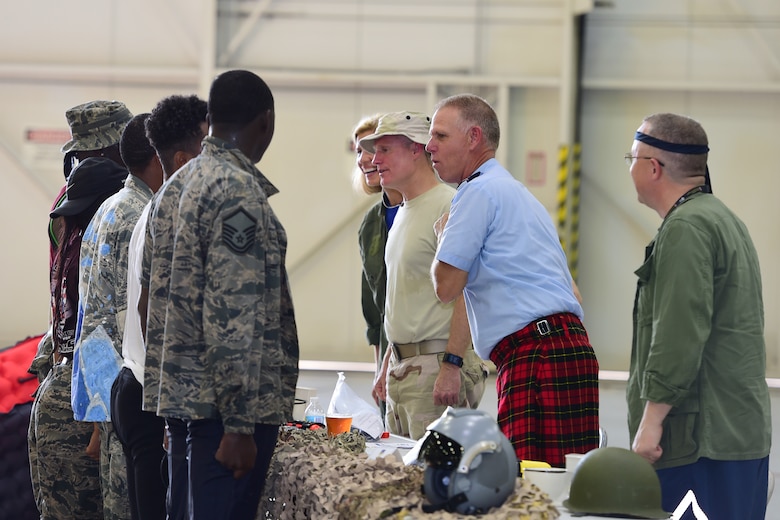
pixel 452 359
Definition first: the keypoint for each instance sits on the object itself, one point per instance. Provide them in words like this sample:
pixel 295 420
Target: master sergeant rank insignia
pixel 238 231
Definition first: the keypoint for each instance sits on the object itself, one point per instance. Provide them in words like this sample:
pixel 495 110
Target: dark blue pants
pixel 177 500
pixel 725 490
pixel 214 494
pixel 141 434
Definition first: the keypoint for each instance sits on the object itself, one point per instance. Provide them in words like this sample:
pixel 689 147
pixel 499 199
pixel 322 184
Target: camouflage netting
pixel 313 476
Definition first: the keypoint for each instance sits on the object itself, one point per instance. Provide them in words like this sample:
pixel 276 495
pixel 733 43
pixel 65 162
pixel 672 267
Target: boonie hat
pixel 96 125
pixel 413 125
pixel 91 179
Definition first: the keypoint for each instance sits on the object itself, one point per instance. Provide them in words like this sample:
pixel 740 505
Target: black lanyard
pixel 687 196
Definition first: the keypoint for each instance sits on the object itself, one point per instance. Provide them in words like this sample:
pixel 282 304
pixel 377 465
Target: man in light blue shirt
pixel 498 248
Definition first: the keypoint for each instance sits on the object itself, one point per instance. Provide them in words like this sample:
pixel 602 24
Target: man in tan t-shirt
pixel 430 363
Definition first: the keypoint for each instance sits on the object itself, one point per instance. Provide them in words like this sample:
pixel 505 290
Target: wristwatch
pixel 452 359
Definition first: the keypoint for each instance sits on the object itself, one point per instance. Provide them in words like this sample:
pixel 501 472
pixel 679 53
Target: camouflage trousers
pixel 410 381
pixel 113 475
pixel 66 483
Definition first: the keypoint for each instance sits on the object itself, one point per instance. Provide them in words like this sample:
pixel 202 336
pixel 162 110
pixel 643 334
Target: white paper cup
pixel 553 481
pixel 572 460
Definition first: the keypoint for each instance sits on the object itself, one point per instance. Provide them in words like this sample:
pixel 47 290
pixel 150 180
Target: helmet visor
pixel 440 451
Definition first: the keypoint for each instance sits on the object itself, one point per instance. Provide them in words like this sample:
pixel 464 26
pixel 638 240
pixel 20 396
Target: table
pixel 313 476
pixel 394 445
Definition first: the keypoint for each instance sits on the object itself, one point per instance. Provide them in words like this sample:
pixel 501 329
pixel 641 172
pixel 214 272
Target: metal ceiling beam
pixel 261 6
pixel 208 51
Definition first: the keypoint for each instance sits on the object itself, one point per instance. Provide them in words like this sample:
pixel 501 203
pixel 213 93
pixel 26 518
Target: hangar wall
pixel 329 62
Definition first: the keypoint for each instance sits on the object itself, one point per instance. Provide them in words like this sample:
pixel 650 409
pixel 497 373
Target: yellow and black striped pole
pixel 574 230
pixel 562 196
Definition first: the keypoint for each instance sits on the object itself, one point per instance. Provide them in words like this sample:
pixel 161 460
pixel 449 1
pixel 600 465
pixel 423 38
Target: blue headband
pixel 687 149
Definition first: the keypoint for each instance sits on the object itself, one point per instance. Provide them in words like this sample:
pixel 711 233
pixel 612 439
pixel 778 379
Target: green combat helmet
pixel 470 465
pixel 615 481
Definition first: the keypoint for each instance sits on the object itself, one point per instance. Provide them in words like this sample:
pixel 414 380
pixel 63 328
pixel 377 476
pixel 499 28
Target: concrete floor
pixel 612 412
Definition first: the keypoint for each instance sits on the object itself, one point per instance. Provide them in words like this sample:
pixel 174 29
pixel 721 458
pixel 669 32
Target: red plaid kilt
pixel 548 389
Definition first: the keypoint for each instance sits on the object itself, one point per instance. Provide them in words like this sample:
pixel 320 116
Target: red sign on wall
pixel 536 169
pixel 47 136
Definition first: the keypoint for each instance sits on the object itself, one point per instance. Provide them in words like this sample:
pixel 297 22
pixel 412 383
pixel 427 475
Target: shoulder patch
pixel 238 231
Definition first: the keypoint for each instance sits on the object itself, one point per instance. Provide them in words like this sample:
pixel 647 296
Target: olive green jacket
pixel 699 337
pixel 372 237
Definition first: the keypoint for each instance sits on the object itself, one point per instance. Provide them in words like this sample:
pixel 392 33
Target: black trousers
pixel 214 494
pixel 141 434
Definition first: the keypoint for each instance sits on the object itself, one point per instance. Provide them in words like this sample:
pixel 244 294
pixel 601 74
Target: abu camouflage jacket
pixel 221 336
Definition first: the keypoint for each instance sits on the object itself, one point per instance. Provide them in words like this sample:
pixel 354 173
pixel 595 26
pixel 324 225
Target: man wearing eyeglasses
pixel 698 402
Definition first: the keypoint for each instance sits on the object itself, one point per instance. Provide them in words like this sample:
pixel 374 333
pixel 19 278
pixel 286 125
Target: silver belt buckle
pixel 543 327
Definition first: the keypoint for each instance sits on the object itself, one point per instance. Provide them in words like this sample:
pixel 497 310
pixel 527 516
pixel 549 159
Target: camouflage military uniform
pixel 102 308
pixel 66 482
pixel 94 126
pixel 221 337
pixel 41 363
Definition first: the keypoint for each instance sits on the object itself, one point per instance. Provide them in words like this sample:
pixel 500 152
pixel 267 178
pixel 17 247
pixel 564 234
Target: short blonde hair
pixel 367 124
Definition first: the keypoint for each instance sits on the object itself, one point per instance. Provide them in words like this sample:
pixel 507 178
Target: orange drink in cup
pixel 337 423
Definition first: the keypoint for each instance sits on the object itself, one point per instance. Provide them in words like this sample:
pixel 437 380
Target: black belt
pixel 555 324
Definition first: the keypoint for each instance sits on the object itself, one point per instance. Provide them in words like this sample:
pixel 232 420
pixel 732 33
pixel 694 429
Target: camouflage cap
pixel 96 125
pixel 413 125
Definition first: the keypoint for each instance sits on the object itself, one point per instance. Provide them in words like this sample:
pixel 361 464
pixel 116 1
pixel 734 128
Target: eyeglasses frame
pixel 630 159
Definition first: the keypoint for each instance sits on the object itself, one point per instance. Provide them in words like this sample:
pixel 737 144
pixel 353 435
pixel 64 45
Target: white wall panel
pixel 32 175
pixel 310 162
pixel 522 50
pixel 330 62
pixel 532 131
pixel 671 41
pixel 615 228
pixel 103 32
pixel 407 44
pixel 24 304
